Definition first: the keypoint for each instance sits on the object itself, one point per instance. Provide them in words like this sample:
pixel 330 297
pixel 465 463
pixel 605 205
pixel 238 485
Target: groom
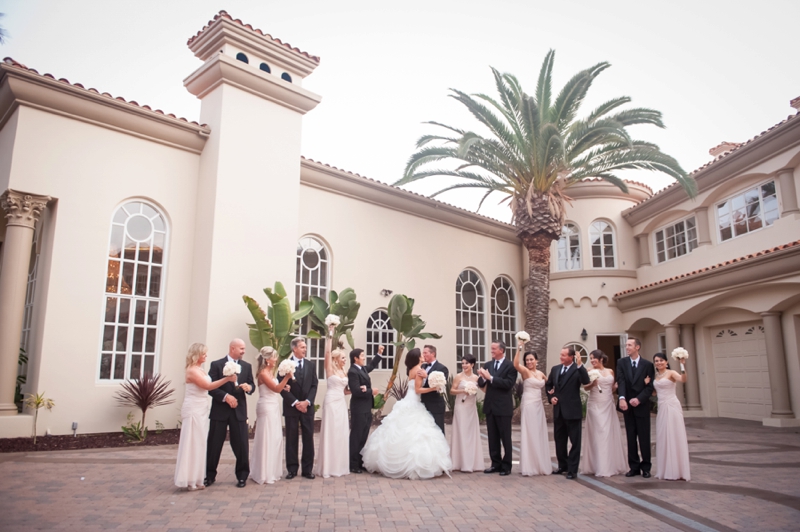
pixel 497 378
pixel 434 402
pixel 635 377
pixel 298 409
pixel 564 392
pixel 361 401
pixel 229 411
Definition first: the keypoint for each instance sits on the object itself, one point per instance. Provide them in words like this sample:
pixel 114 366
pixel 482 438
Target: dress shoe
pixel 241 484
pixel 357 471
pixel 290 475
pixel 208 481
pixel 632 473
pixel 309 476
pixel 559 471
pixel 505 473
pixel 491 470
pixel 570 476
pixel 646 474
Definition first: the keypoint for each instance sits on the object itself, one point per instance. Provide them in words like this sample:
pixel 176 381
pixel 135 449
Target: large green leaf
pixel 261 333
pixel 279 289
pixel 282 322
pixel 398 306
pixel 350 339
pixel 303 310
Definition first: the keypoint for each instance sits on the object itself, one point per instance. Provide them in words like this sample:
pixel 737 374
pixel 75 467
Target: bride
pixel 408 443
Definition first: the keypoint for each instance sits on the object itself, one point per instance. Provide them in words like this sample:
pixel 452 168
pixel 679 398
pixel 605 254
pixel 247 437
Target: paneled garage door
pixel 740 364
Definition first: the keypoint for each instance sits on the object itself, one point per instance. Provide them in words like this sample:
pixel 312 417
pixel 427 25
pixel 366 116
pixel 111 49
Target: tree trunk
pixel 537 295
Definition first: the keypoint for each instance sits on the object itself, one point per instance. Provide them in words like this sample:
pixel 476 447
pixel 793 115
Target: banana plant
pixel 408 327
pixel 276 326
pixel 345 306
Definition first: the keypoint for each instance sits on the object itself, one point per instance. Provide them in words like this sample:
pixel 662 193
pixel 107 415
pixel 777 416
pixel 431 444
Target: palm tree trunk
pixel 537 295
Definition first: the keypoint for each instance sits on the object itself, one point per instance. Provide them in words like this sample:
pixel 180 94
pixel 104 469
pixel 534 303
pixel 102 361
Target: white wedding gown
pixel 408 443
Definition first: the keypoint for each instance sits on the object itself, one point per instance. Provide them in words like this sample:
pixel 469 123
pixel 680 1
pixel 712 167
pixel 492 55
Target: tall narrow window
pixel 676 240
pixel 504 313
pixel 470 321
pixel 27 319
pixel 311 279
pixel 381 333
pixel 601 235
pixel 748 211
pixel 136 262
pixel 569 248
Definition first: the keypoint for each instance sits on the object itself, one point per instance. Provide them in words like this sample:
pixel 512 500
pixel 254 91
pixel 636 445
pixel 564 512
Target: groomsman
pixel 229 411
pixel 298 409
pixel 361 401
pixel 497 378
pixel 563 391
pixel 434 402
pixel 635 387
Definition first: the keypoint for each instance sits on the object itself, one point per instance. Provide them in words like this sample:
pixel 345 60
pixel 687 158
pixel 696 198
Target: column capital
pixel 21 208
pixel 771 313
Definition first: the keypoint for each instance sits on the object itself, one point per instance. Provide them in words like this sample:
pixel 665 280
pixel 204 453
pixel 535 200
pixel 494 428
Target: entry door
pixel 740 365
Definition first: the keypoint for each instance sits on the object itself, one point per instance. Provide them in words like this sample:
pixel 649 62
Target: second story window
pixel 569 248
pixel 676 240
pixel 747 212
pixel 601 236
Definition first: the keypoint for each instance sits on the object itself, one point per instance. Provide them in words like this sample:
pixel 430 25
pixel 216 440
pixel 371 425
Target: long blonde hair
pixel 266 353
pixel 196 350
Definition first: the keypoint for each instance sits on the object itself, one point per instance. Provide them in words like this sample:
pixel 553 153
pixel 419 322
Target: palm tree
pixel 3 34
pixel 537 149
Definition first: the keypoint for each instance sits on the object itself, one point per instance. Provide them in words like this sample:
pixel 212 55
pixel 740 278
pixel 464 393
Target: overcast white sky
pixel 718 70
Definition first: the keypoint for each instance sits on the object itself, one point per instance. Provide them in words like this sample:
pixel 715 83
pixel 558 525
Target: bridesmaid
pixel 333 459
pixel 534 455
pixel 466 451
pixel 603 454
pixel 190 468
pixel 672 447
pixel 265 465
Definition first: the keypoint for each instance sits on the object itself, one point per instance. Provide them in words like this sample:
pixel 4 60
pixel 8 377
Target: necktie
pixel 563 369
pixel 634 364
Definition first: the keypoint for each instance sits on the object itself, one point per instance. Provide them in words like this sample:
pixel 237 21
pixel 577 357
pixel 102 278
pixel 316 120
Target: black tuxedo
pixel 303 387
pixel 223 417
pixel 433 401
pixel 498 405
pixel 630 385
pixel 360 409
pixel 567 413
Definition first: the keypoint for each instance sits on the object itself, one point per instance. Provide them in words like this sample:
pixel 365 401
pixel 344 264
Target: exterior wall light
pixel 584 335
pixel 386 293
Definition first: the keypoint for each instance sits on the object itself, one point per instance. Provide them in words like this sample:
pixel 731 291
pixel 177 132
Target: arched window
pixel 470 326
pixel 569 248
pixel 265 68
pixel 601 235
pixel 311 279
pixel 286 77
pixel 136 262
pixel 504 313
pixel 242 57
pixel 380 332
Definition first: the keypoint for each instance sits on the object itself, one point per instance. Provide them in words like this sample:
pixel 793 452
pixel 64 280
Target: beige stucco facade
pixel 236 197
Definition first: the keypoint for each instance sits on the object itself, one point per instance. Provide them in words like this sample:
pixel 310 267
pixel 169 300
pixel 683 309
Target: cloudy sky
pixel 718 70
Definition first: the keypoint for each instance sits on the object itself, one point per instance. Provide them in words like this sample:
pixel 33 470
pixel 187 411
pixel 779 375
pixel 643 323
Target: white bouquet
pixel 332 319
pixel 681 355
pixel 523 336
pixel 436 380
pixel 470 388
pixel 287 366
pixel 594 374
pixel 231 368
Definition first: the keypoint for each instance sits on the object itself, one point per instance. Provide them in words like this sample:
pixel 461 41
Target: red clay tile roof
pixel 795 102
pixel 224 14
pixel 16 64
pixel 406 191
pixel 710 268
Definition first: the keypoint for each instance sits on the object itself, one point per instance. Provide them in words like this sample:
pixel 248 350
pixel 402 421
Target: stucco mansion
pixel 129 234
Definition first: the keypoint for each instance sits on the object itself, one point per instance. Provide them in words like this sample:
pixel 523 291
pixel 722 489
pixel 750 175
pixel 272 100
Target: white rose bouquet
pixel 231 368
pixel 523 336
pixel 470 388
pixel 680 354
pixel 332 319
pixel 594 374
pixel 436 380
pixel 287 366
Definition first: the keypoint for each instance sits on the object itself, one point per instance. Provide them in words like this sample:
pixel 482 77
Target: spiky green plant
pixel 36 402
pixel 276 326
pixel 342 304
pixel 145 393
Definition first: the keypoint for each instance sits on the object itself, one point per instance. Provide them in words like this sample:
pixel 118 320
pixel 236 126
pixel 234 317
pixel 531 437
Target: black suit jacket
pixel 220 411
pixel 631 384
pixel 498 400
pixel 303 387
pixel 434 401
pixel 361 402
pixel 567 389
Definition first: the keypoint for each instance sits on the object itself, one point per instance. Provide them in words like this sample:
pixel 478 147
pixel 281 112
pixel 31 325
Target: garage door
pixel 740 364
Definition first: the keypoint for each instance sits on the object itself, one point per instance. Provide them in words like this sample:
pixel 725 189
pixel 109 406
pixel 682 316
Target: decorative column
pixel 701 219
pixel 776 362
pixel 644 249
pixel 692 385
pixel 22 211
pixel 788 192
pixel 673 341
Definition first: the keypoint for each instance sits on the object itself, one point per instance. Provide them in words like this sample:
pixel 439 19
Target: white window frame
pixel 566 249
pixel 133 298
pixel 386 336
pixel 477 311
pixel 602 245
pixel 743 192
pixel 687 241
pixel 304 290
pixel 504 321
pixel 580 350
